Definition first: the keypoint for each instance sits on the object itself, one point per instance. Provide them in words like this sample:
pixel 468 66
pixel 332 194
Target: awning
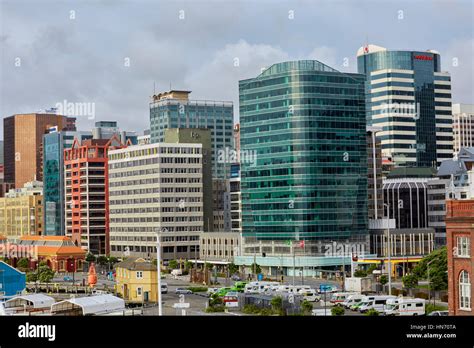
pixel 30 301
pixel 90 305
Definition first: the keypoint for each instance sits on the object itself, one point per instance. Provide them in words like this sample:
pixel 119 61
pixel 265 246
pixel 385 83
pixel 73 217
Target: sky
pixel 113 54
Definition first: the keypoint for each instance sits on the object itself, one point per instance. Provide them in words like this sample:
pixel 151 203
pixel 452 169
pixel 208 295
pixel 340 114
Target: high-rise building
pixel 199 136
pixel 156 188
pixel 174 109
pixel 410 98
pixel 23 140
pixel 463 126
pixel 305 123
pixel 54 144
pixel 87 193
pixel 374 174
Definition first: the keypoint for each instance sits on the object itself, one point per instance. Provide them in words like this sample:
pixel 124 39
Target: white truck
pixel 358 285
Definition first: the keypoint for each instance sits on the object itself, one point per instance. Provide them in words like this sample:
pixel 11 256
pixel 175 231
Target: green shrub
pixel 372 312
pixel 306 307
pixel 251 309
pixel 31 277
pixel 215 301
pixel 215 309
pixel 360 273
pixel 432 308
pixel 337 310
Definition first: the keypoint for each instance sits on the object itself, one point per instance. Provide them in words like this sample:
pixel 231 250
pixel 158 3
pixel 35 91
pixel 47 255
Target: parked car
pixel 326 288
pixel 378 303
pixel 164 288
pixel 236 278
pixel 352 300
pixel 439 313
pixel 223 291
pixel 67 279
pixel 183 291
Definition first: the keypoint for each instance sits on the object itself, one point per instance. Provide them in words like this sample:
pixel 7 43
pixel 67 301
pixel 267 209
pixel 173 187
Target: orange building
pixel 23 139
pixel 87 193
pixel 58 252
pixel 460 239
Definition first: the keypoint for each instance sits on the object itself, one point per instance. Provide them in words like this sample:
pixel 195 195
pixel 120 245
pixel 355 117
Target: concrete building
pixel 21 211
pixel 174 109
pixel 463 126
pixel 199 136
pixel 410 98
pixel 136 280
pixel 23 139
pixel 235 199
pixel 107 129
pixel 374 174
pixel 87 193
pixel 221 205
pixel 156 188
pixel 460 247
pixel 219 246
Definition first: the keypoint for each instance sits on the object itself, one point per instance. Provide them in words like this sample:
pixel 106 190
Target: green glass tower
pixel 306 124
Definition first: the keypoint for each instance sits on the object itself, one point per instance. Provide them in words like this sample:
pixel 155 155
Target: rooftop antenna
pixel 154 88
pixel 170 86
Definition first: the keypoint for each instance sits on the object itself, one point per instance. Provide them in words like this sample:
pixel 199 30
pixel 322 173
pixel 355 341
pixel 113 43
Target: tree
pixel 31 276
pixel 256 268
pixel 371 269
pixel 90 257
pixel 233 268
pixel 188 265
pixel 306 307
pixel 23 264
pixel 113 260
pixel 173 264
pixel 102 260
pixel 337 310
pixel 360 273
pixel 410 281
pixel 438 266
pixel 383 280
pixel 45 274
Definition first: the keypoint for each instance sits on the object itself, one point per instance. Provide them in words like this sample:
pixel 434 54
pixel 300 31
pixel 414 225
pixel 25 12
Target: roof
pixel 44 238
pixel 36 300
pixel 98 304
pixel 412 172
pixel 60 250
pixel 314 65
pixel 451 167
pixel 136 264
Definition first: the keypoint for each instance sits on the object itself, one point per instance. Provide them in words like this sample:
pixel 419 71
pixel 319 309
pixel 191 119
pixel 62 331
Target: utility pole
pixel 158 273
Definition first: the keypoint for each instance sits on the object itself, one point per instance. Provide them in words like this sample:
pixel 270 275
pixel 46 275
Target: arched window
pixel 464 290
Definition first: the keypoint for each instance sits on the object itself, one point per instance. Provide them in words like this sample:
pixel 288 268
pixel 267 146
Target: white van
pixel 352 299
pixel 365 299
pixel 406 307
pixel 378 303
pixel 295 289
pixel 339 297
pixel 281 289
pixel 310 295
pixel 258 287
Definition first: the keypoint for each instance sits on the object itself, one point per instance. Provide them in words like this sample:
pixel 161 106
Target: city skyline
pixel 87 57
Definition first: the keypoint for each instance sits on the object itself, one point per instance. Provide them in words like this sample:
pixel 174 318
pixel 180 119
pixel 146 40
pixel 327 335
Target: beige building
pixel 463 126
pixel 219 246
pixel 156 188
pixel 21 211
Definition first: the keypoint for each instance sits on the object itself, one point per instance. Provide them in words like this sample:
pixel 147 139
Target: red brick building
pixel 87 193
pixel 460 239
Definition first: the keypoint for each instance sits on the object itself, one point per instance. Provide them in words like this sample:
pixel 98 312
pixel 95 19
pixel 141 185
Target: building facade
pixel 156 188
pixel 219 246
pixel 23 137
pixel 463 126
pixel 410 98
pixel 235 199
pixel 306 123
pixel 136 280
pixel 54 144
pixel 174 109
pixel 460 249
pixel 87 193
pixel 21 211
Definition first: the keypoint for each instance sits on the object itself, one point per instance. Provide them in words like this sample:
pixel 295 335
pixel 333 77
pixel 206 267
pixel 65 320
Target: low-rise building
pixel 136 280
pixel 12 281
pixel 219 246
pixel 460 250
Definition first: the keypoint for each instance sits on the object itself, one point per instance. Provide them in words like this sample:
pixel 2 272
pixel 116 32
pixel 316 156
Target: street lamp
pixel 429 283
pixel 389 250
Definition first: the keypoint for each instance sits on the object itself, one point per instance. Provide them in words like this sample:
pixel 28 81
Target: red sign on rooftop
pixel 420 57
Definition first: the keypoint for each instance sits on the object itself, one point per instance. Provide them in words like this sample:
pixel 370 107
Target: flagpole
pixel 293 264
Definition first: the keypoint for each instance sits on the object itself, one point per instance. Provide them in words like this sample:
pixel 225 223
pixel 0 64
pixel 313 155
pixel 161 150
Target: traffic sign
pixel 181 305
